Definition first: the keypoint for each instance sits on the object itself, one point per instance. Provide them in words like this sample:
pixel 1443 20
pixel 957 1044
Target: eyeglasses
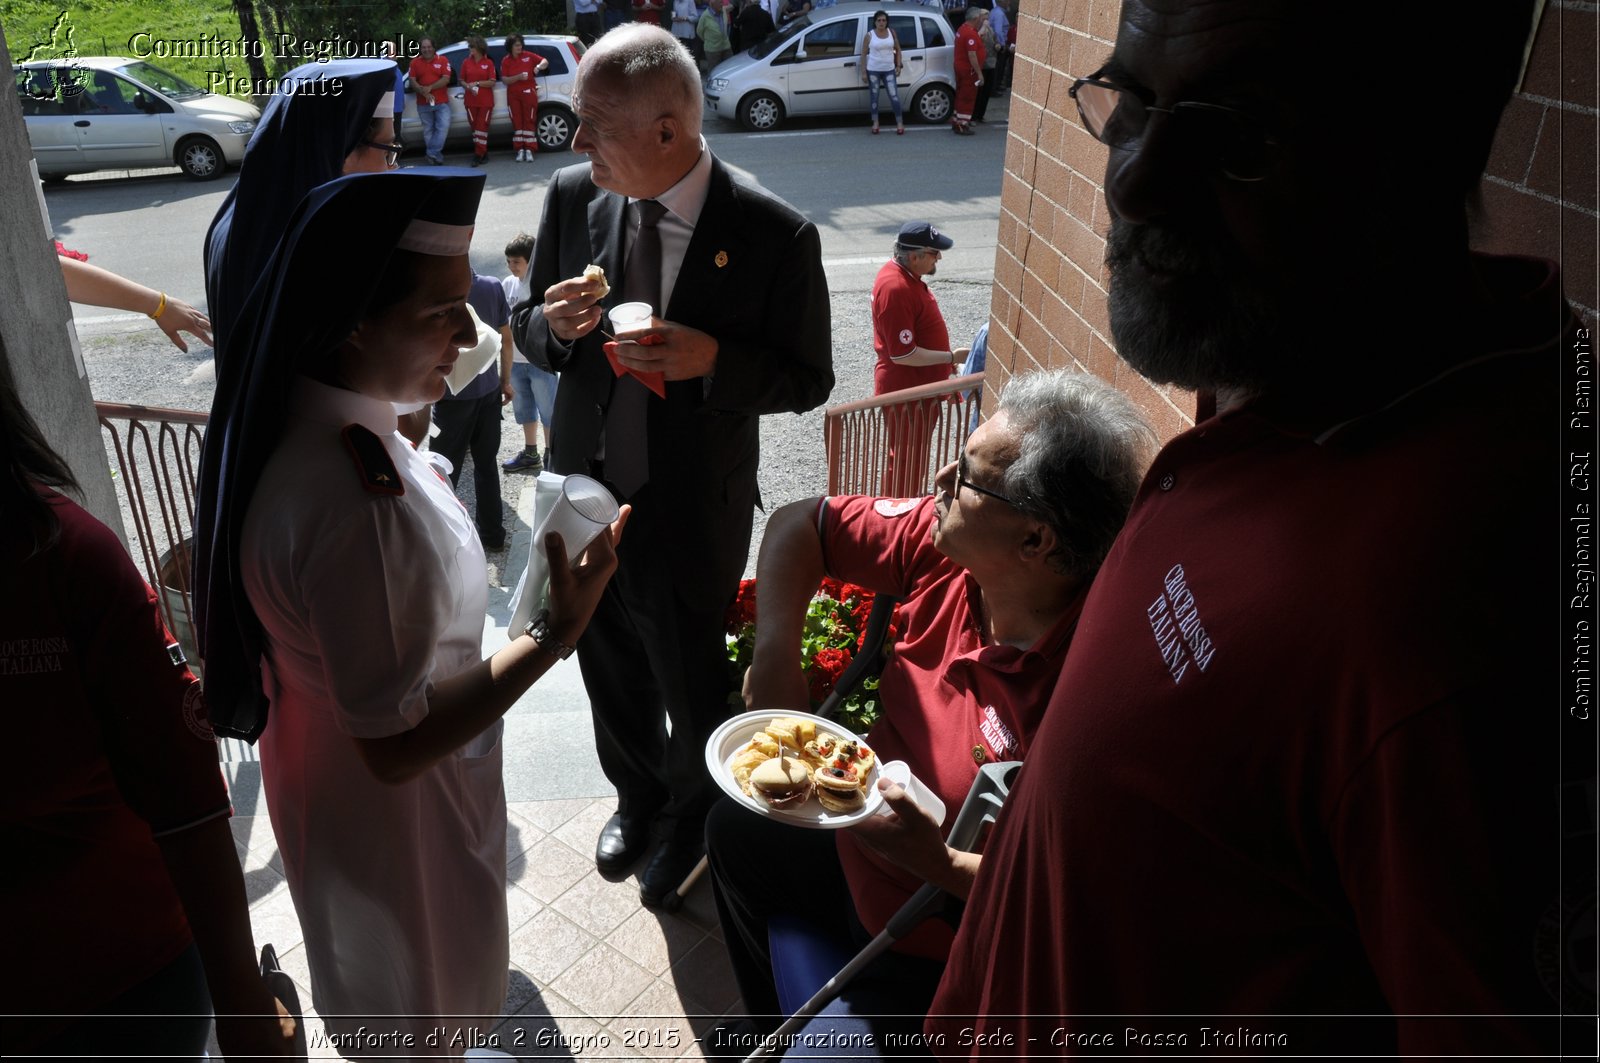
pixel 1239 144
pixel 962 481
pixel 391 151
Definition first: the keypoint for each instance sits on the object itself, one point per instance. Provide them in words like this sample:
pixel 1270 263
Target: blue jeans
pixel 884 79
pixel 533 394
pixel 435 119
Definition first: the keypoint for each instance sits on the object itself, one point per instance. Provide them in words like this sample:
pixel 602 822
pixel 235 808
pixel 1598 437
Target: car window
pixel 163 81
pixel 554 53
pixel 105 93
pixel 772 42
pixel 905 29
pixel 833 40
pixel 36 91
pixel 933 33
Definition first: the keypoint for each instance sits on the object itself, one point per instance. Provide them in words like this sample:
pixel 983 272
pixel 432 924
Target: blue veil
pixel 308 301
pixel 319 116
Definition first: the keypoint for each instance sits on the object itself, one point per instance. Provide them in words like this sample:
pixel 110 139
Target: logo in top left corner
pixel 67 74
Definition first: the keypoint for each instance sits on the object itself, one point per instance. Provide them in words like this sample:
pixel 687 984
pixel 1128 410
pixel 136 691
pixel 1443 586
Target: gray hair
pixel 975 13
pixel 900 252
pixel 657 71
pixel 1082 451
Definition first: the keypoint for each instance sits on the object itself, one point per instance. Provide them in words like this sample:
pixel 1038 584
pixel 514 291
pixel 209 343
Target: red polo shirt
pixel 478 70
pixel 1303 757
pixel 107 741
pixel 951 703
pixel 423 71
pixel 905 315
pixel 521 63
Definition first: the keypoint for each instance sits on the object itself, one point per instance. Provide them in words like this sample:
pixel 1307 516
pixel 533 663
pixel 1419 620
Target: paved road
pixel 857 188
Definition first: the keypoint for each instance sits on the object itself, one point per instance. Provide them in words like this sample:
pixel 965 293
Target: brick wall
pixel 1049 303
pixel 1539 192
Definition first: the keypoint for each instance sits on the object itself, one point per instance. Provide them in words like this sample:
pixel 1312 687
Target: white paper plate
pixel 734 735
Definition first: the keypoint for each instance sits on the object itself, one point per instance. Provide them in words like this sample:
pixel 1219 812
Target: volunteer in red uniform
pixel 517 70
pixel 992 573
pixel 913 347
pixel 970 56
pixel 477 79
pixel 430 76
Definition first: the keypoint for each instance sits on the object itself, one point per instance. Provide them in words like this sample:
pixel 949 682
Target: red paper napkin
pixel 654 380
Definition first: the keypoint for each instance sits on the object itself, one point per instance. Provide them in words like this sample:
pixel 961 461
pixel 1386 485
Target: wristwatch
pixel 539 629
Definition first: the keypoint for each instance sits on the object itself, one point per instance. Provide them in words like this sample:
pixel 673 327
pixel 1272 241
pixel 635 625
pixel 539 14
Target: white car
pixel 104 112
pixel 813 66
pixel 556 121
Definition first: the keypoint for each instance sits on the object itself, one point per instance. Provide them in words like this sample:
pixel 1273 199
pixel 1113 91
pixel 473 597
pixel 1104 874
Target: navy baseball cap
pixel 923 234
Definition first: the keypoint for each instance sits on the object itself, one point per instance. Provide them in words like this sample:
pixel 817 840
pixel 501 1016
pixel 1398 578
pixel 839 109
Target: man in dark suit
pixel 745 332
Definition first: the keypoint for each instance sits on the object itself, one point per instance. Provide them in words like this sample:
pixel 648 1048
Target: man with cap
pixel 337 620
pixel 913 347
pixel 669 417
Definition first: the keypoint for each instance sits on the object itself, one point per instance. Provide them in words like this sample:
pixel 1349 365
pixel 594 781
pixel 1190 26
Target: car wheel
pixel 760 111
pixel 933 104
pixel 555 128
pixel 200 158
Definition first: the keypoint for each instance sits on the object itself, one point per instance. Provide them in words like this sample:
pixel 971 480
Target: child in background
pixel 533 390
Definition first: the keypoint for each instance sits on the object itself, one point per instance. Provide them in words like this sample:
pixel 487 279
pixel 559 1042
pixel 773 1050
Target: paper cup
pixel 583 510
pixel 626 316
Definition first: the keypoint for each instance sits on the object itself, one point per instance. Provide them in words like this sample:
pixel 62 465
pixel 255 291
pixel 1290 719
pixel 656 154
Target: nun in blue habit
pixel 327 119
pixel 340 582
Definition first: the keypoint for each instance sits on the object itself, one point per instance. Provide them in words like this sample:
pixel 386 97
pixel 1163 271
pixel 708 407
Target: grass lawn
pixel 113 27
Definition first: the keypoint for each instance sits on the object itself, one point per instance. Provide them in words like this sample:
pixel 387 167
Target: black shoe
pixel 667 870
pixel 622 841
pixel 493 543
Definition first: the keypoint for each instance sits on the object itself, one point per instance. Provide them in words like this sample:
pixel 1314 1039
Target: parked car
pixel 556 121
pixel 813 66
pixel 103 112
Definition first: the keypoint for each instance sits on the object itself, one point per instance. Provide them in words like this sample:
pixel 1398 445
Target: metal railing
pixel 157 454
pixel 894 444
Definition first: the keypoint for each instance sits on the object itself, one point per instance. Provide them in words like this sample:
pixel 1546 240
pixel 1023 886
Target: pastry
pixel 597 275
pixel 839 789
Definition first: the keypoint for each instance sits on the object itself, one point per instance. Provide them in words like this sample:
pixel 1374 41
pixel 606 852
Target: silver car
pixel 813 66
pixel 107 113
pixel 556 121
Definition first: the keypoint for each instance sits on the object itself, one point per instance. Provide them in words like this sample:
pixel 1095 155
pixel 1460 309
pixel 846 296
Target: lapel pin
pixel 721 259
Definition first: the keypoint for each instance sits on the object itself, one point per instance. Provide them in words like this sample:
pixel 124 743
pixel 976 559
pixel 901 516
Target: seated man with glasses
pixel 991 571
pixel 1300 785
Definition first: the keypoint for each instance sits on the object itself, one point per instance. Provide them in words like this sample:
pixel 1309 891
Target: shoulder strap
pixel 373 463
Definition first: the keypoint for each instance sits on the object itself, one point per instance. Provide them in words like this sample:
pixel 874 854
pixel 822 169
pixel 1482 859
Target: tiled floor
pixel 594 975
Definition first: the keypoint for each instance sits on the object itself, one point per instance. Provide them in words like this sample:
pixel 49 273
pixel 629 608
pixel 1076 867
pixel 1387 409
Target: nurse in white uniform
pixel 364 579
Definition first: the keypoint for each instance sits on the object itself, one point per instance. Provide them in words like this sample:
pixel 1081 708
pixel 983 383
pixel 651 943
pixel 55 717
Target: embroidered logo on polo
pixel 905 335
pixel 1175 622
pixel 895 507
pixel 195 716
pixel 998 735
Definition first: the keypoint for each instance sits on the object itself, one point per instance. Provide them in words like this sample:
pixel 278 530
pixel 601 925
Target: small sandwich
pixel 839 789
pixel 597 275
pixel 782 782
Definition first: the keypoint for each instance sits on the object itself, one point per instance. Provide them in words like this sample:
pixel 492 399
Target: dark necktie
pixel 628 415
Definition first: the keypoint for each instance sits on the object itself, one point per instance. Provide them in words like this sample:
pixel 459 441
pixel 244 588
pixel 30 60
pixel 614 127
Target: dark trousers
pixel 891 994
pixel 652 653
pixel 588 26
pixel 984 91
pixel 473 425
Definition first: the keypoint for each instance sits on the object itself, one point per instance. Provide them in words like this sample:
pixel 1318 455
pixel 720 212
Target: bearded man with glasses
pixel 1297 788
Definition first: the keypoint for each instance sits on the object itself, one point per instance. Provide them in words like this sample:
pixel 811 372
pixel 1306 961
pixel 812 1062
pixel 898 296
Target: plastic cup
pixel 626 316
pixel 584 509
pixel 899 771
